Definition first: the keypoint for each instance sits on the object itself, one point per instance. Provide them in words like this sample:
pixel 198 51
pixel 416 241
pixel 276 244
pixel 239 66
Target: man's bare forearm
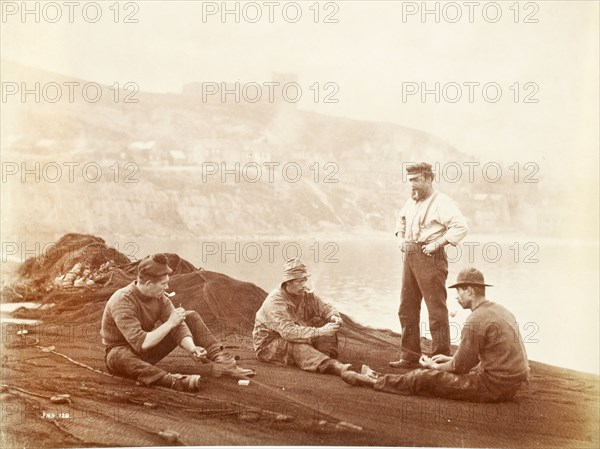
pixel 156 336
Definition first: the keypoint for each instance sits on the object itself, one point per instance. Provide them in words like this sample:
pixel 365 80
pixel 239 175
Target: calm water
pixel 551 287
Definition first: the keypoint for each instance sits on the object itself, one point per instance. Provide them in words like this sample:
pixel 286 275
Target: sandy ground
pixel 281 406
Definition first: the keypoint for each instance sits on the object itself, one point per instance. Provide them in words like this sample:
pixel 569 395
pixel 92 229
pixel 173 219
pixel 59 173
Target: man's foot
pixel 224 364
pixel 405 364
pixel 360 380
pixel 185 382
pixel 367 371
pixel 333 366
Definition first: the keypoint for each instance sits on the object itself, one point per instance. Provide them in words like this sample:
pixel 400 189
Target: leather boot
pixel 224 364
pixel 361 380
pixel 333 366
pixel 180 382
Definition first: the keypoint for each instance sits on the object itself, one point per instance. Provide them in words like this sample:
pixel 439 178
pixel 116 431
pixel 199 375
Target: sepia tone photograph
pixel 300 223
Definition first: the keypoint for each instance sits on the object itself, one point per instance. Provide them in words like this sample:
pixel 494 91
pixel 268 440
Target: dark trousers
pixel 471 386
pixel 424 277
pixel 124 361
pixel 306 356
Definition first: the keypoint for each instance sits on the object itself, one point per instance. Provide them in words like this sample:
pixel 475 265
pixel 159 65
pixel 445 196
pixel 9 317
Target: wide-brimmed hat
pixel 156 265
pixel 470 276
pixel 294 269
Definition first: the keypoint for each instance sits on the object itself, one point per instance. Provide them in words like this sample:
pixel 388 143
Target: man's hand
pixel 199 354
pixel 329 329
pixel 426 362
pixel 177 317
pixel 441 358
pixel 430 248
pixel 336 320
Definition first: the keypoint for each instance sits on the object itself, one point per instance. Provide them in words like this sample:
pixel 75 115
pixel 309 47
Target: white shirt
pixel 428 220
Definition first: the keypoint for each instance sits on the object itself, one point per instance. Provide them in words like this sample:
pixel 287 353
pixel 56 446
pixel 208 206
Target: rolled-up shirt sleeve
pixel 454 221
pixel 400 230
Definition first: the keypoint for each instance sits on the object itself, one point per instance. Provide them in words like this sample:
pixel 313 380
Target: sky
pixel 372 53
pixel 538 62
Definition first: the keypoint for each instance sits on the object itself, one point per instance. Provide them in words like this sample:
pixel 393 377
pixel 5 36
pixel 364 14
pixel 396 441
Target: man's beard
pixel 416 194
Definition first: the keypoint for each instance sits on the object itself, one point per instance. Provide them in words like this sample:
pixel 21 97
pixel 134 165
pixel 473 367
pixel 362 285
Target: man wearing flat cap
pixel 140 326
pixel 295 327
pixel 427 223
pixel 490 364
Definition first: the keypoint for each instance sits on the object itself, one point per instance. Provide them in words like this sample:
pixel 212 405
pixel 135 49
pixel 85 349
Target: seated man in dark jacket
pixel 490 364
pixel 140 326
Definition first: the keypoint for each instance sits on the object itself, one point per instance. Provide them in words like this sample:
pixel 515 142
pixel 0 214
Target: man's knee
pixel 408 314
pixel 327 345
pixel 438 319
pixel 200 331
pixel 410 329
pixel 191 316
pixel 119 359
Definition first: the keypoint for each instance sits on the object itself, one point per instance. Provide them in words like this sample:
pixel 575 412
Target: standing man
pixel 140 326
pixel 426 224
pixel 490 364
pixel 295 327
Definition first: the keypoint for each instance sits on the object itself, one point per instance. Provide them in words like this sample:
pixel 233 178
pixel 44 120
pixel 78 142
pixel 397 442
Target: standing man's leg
pixel 410 307
pixel 432 273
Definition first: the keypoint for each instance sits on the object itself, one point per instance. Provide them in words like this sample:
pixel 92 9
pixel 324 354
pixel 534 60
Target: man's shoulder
pixel 500 311
pixel 276 292
pixel 275 296
pixel 121 296
pixel 489 312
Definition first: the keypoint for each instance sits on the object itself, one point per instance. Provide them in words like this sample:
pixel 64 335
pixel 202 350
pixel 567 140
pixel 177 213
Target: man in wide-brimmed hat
pixel 295 327
pixel 490 364
pixel 427 222
pixel 140 327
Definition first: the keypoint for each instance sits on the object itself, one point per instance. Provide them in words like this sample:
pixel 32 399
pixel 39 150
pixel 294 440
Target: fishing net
pixel 222 301
pixel 228 306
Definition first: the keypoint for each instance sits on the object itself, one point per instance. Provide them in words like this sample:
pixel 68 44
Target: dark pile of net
pixel 80 272
pixel 228 306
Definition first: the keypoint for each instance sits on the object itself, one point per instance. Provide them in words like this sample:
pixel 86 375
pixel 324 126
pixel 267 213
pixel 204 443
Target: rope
pixel 75 362
pixel 261 384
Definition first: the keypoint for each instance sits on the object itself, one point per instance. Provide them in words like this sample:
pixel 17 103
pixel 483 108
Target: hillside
pixel 172 163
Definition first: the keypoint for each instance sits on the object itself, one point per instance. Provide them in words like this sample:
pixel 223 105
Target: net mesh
pixel 228 306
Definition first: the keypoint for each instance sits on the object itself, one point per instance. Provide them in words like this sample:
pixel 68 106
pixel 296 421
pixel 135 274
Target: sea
pixel 550 285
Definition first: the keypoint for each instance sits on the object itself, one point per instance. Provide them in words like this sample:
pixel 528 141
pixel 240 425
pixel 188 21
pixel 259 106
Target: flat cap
pixel 155 265
pixel 418 169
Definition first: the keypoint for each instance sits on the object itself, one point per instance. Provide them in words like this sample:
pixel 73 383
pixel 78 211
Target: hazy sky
pixel 369 53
